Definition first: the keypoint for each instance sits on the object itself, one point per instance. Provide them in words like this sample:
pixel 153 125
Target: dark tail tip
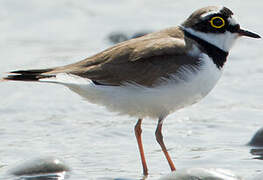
pixel 22 77
pixel 28 75
pixel 30 72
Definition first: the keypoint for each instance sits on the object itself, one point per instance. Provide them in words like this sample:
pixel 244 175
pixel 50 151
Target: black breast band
pixel 218 55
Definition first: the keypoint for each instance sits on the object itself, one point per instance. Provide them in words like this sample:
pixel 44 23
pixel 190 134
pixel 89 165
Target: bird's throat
pixel 218 55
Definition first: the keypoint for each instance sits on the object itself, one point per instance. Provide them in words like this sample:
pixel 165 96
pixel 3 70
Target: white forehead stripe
pixel 232 21
pixel 212 12
pixel 209 13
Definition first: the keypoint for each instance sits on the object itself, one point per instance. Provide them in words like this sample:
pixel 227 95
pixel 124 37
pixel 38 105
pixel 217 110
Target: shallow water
pixel 47 119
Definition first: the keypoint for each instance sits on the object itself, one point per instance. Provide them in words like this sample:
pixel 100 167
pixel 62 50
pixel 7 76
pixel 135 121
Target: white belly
pixel 149 102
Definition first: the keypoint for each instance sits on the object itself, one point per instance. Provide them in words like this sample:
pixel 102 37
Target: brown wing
pixel 142 61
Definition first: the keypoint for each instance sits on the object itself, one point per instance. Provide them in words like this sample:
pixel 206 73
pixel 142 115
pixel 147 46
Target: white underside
pixel 139 101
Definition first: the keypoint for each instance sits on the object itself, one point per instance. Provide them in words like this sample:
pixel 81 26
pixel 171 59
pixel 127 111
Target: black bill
pixel 247 33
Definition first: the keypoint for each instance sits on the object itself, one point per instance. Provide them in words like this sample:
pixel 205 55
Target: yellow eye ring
pixel 217 26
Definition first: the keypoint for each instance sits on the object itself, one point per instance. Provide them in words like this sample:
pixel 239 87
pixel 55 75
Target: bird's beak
pixel 243 32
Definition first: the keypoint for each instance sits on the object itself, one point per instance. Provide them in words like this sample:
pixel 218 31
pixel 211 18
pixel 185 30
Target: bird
pixel 154 75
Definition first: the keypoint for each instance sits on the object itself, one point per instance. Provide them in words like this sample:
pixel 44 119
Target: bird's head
pixel 217 26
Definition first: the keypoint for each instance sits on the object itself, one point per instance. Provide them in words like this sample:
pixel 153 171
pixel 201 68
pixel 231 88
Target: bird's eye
pixel 217 22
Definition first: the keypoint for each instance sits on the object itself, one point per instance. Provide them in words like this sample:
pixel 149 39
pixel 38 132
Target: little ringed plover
pixel 153 75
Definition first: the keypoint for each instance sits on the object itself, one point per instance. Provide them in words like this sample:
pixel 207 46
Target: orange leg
pixel 138 132
pixel 159 138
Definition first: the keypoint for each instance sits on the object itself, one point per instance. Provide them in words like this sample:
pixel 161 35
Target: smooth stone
pixel 257 139
pixel 257 152
pixel 117 37
pixel 201 174
pixel 40 168
pixel 139 34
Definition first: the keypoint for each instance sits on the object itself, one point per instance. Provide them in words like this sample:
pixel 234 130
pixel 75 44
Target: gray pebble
pixel 257 139
pixel 117 37
pixel 201 174
pixel 41 168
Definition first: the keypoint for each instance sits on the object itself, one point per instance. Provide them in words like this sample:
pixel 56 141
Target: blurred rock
pixel 41 169
pixel 117 37
pixel 139 34
pixel 257 139
pixel 257 152
pixel 201 174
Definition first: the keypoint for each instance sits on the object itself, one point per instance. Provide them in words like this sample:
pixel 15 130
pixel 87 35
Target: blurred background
pixel 47 119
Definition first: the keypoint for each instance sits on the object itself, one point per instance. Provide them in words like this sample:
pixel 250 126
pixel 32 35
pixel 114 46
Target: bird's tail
pixel 28 75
